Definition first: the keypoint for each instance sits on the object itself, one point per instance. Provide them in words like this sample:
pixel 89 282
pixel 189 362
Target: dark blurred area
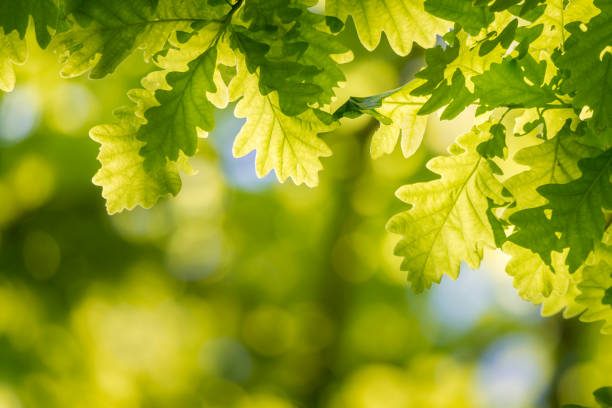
pixel 243 292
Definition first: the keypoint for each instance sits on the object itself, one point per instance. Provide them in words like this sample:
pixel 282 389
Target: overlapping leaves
pixel 289 145
pixel 551 217
pixel 12 51
pixel 107 32
pixel 403 21
pixel 283 61
pixel 14 21
pixel 587 61
pixel 577 220
pixel 540 71
pixel 448 220
pixel 398 113
pixel 291 52
pixel 15 16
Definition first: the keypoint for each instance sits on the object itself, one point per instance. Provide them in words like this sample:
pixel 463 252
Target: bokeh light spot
pixel 71 108
pixel 19 114
pixel 33 181
pixel 226 358
pixel 194 252
pixel 41 254
pixel 269 330
pixel 459 305
pixel 513 371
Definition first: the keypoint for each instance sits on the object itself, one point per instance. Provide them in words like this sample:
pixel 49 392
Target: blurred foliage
pixel 244 293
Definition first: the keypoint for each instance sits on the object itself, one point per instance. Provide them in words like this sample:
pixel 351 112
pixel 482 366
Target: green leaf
pixel 496 146
pixel 449 74
pixel 535 231
pixel 171 127
pixel 437 59
pixel 603 396
pixel 472 18
pixel 456 97
pixel 576 213
pixel 607 299
pixel 397 111
pixel 406 126
pixel 284 76
pixel 151 146
pixel 505 84
pixel 109 31
pixel 267 14
pixel 553 161
pixel 448 220
pixel 357 106
pixel 590 66
pixel 556 14
pixel 525 36
pixel 504 39
pixel 293 55
pixel 577 207
pixel 325 52
pixel 468 60
pixel 403 21
pixel 335 24
pixel 124 181
pixel 15 16
pixel 596 281
pixel 289 145
pixel 556 290
pixel 12 51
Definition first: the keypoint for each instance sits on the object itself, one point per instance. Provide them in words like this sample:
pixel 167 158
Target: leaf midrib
pixel 463 185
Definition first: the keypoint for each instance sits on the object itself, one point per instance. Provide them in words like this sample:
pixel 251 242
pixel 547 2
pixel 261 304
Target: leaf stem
pixel 226 22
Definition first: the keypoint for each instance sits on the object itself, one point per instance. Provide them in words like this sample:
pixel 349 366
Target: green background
pixel 243 292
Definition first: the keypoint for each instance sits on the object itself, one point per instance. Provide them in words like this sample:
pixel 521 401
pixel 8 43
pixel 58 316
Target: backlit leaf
pixel 403 21
pixel 447 223
pixel 289 145
pixel 12 51
pixel 111 30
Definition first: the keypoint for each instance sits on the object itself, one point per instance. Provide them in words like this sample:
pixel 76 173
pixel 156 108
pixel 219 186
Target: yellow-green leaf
pixel 12 51
pixel 289 145
pixel 124 181
pixel 407 126
pixel 595 287
pixel 448 220
pixel 536 282
pixel 109 31
pixel 403 21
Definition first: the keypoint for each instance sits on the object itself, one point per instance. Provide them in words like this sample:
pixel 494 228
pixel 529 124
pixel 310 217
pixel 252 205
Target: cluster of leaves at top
pixel 531 178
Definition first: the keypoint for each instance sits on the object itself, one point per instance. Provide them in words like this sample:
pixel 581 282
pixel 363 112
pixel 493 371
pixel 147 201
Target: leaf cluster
pixel 538 73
